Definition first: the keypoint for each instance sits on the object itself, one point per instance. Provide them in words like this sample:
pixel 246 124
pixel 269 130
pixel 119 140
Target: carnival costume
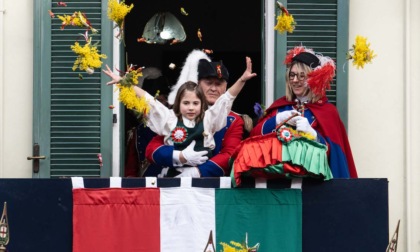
pixel 180 134
pixel 274 151
pixel 225 140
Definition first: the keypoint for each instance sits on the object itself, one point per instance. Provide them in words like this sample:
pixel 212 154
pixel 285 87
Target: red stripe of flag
pixel 98 227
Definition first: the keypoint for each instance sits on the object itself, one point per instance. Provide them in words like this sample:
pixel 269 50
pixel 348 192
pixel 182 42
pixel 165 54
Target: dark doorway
pixel 232 29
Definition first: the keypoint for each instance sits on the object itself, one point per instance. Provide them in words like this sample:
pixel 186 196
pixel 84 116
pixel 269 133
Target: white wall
pixel 383 106
pixel 413 180
pixel 16 84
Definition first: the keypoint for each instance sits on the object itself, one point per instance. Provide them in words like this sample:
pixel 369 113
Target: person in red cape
pixel 308 76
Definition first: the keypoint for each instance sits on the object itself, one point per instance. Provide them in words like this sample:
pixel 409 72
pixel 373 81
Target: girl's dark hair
pixel 193 87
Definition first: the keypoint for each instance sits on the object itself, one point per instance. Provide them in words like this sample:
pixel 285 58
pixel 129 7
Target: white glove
pixel 302 124
pixel 188 172
pixel 193 157
pixel 281 116
pixel 163 173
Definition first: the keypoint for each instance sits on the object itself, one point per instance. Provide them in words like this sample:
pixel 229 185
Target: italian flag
pixel 186 219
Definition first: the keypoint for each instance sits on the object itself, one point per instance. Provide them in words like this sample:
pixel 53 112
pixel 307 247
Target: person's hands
pixel 248 74
pixel 115 78
pixel 193 157
pixel 281 116
pixel 302 124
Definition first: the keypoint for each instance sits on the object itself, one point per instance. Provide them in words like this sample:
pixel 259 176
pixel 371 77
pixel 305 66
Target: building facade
pixel 381 110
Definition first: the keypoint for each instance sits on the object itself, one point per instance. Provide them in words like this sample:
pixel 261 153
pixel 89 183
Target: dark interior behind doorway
pixel 232 29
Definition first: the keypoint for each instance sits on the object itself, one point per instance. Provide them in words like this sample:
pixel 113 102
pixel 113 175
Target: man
pixel 212 77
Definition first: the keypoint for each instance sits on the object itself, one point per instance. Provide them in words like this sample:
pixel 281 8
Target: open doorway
pixel 231 29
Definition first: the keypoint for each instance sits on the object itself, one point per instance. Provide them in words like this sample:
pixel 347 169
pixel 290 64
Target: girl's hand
pixel 115 78
pixel 248 74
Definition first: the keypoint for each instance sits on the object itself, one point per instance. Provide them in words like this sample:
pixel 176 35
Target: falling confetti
pixel 208 51
pixel 175 41
pixel 199 35
pixel 100 159
pixel 183 12
pixel 51 13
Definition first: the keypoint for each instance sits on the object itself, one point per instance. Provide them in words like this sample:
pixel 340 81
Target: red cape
pixel 329 126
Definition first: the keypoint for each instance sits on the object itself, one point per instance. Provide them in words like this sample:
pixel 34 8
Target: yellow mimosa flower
pixel 285 22
pixel 130 100
pixel 360 52
pixel 88 57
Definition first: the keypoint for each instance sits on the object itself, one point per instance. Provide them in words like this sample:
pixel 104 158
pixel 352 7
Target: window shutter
pixel 78 119
pixel 323 26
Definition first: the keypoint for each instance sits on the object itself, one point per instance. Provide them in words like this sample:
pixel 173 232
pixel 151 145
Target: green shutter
pixel 74 123
pixel 323 26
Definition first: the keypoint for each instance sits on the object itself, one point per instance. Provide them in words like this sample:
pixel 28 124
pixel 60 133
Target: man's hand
pixel 248 74
pixel 192 157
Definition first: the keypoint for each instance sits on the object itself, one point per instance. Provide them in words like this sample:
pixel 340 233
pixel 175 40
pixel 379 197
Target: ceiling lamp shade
pixel 162 28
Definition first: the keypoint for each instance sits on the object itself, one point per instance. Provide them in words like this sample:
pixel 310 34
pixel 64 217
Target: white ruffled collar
pixel 188 123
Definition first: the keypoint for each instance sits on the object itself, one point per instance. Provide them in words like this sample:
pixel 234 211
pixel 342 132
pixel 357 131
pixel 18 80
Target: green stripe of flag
pixel 270 217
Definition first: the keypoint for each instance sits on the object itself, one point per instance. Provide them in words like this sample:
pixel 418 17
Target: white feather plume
pixel 189 72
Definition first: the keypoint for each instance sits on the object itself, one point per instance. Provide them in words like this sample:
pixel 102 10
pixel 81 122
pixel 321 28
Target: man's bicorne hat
pixel 214 69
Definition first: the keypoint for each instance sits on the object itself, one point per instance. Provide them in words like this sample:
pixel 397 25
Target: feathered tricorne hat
pixel 319 80
pixel 189 72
